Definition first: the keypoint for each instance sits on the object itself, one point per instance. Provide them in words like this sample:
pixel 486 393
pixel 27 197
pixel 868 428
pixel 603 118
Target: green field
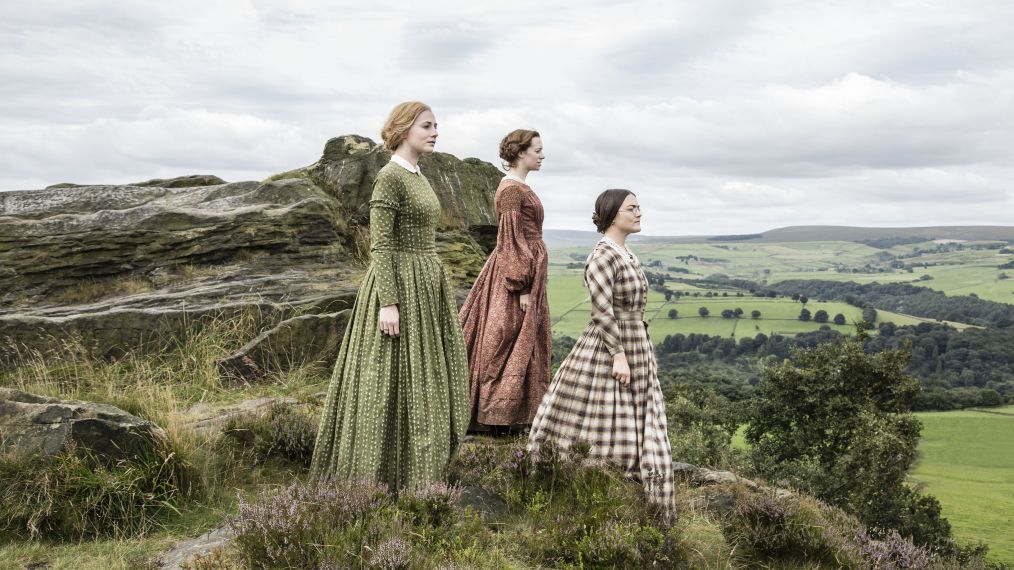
pixel 959 272
pixel 570 312
pixel 953 272
pixel 966 459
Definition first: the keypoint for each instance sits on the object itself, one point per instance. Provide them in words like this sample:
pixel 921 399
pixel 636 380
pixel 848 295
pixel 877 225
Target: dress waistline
pixel 403 249
pixel 622 315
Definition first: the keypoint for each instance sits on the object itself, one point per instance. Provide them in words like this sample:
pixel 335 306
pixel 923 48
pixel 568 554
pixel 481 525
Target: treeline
pixel 956 369
pixel 889 242
pixel 904 298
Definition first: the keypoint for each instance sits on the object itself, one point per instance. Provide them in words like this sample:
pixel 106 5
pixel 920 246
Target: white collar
pixel 622 250
pixel 405 164
pixel 515 178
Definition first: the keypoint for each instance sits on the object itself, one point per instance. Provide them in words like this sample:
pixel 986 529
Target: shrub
pixel 283 431
pixel 571 511
pixel 291 528
pixel 792 527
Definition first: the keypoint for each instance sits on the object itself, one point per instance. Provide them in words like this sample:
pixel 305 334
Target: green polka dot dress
pixel 397 408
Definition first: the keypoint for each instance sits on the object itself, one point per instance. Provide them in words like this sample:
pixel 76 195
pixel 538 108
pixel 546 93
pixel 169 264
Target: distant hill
pixel 850 233
pixel 574 238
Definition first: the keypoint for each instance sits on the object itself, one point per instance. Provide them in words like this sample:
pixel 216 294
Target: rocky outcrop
pixel 112 269
pixel 51 239
pixel 347 168
pixel 38 424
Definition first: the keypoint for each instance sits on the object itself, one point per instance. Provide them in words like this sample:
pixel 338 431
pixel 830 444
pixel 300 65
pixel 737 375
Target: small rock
pixel 708 477
pixel 33 424
pixel 185 550
pixel 292 343
pixel 212 420
pixel 488 504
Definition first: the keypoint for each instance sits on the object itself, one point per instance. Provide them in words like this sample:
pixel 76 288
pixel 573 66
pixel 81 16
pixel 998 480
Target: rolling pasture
pixel 954 272
pixel 966 460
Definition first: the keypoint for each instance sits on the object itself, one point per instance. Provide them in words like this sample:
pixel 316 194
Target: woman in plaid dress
pixel 606 392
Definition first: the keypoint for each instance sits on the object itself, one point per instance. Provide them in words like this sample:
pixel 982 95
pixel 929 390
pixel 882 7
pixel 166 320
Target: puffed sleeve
pixel 599 275
pixel 384 205
pixel 511 246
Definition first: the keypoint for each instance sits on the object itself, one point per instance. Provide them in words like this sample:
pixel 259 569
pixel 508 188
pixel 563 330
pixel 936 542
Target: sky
pixel 723 116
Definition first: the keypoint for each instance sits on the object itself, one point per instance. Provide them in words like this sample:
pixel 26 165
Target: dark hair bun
pixel 606 207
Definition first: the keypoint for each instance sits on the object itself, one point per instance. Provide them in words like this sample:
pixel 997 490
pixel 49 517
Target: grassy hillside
pixel 967 461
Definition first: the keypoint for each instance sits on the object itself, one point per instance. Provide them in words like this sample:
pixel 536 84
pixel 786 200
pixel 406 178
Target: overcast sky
pixel 724 116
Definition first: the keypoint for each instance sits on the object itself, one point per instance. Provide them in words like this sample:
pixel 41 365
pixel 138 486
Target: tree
pixel 755 314
pixel 839 319
pixel 836 423
pixel 728 314
pixel 738 312
pixel 673 313
pixel 869 314
pixel 803 299
pixel 795 296
pixel 703 311
pixel 668 295
pixel 820 316
pixel 804 315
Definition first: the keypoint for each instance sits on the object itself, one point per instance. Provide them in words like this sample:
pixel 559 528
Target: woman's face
pixel 628 219
pixel 422 136
pixel 532 158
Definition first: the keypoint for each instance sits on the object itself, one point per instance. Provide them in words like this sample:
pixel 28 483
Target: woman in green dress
pixel 397 407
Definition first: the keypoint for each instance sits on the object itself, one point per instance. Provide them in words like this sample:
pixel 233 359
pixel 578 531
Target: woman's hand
pixel 524 301
pixel 390 320
pixel 621 370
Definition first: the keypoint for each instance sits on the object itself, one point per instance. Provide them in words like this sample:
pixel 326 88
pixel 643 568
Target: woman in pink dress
pixel 506 315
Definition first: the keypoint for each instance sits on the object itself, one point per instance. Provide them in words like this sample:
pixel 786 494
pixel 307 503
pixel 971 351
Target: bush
pixel 571 512
pixel 793 527
pixel 76 495
pixel 701 426
pixel 283 431
pixel 836 423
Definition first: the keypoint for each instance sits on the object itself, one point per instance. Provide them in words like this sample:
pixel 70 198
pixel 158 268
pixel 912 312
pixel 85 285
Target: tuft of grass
pixel 90 290
pixel 77 495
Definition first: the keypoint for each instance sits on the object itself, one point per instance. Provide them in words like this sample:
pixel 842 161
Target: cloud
pixel 725 117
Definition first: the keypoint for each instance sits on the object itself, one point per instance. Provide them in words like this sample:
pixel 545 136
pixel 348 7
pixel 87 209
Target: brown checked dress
pixel 509 350
pixel 623 425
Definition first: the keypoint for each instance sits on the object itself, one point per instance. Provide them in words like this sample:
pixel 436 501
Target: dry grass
pixel 91 290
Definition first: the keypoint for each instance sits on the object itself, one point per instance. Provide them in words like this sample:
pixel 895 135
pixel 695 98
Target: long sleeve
pixel 384 206
pixel 599 275
pixel 511 245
